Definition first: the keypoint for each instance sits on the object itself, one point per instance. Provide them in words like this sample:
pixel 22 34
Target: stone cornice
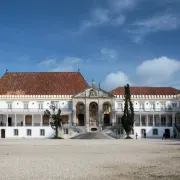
pixel 149 97
pixel 35 97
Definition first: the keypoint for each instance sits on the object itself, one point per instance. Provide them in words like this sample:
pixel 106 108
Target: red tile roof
pixel 147 91
pixel 42 83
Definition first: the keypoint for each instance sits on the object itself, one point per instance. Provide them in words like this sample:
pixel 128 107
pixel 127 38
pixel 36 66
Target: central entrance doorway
pixel 80 114
pixel 167 131
pixel 3 133
pixel 93 114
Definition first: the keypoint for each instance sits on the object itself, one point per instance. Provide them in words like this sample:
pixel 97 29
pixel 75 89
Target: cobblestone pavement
pixel 98 159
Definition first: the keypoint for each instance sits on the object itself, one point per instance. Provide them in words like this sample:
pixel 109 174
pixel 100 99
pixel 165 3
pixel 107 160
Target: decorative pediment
pixel 93 92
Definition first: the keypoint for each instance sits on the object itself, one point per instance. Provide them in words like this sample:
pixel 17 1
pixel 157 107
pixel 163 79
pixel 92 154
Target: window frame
pixel 42 132
pixel 27 132
pixel 16 132
pixel 155 132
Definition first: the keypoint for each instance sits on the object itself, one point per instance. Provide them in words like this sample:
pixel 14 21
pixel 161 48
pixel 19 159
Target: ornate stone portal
pixel 92 108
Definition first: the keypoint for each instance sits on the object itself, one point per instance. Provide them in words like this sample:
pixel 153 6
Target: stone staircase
pixel 113 131
pixel 177 131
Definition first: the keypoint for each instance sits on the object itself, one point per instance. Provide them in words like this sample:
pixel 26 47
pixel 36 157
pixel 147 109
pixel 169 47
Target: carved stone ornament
pixel 92 93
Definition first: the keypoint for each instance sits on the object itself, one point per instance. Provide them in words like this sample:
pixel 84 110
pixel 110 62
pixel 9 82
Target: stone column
pixel 87 114
pixel 24 120
pixel 160 119
pixel 153 121
pixel 32 119
pixel 147 120
pixel 6 119
pixel 173 118
pixel 15 121
pixel 140 120
pixel 113 114
pixel 100 114
pixel 69 119
pixel 74 115
pixel 41 122
pixel 166 120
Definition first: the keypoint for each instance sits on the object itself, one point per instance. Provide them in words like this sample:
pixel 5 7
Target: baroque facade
pixel 25 96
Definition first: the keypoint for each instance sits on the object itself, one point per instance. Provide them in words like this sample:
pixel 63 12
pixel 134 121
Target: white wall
pixel 149 131
pixel 35 132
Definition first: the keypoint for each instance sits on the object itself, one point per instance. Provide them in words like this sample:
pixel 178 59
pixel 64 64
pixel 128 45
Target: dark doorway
pixel 80 119
pixel 9 121
pixel 143 131
pixel 107 119
pixel 167 131
pixel 93 129
pixel 3 133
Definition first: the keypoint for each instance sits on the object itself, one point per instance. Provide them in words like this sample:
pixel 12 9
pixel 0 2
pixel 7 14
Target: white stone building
pixel 25 96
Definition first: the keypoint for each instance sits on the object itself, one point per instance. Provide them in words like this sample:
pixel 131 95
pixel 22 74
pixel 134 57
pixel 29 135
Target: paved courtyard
pixel 108 159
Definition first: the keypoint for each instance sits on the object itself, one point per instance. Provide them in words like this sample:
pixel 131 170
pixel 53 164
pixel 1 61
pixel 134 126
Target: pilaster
pixel 140 120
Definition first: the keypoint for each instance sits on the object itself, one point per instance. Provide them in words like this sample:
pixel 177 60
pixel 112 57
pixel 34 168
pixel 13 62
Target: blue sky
pixel 112 41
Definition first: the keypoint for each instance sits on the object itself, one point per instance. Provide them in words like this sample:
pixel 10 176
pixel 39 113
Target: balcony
pixel 32 110
pixel 155 125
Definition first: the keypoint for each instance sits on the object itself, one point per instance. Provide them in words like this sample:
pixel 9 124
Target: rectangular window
pixel 40 105
pixel 26 105
pixel 9 105
pixel 155 131
pixel 16 132
pixel 163 120
pixel 151 120
pixel 28 132
pixel 143 120
pixel 119 105
pixel 42 132
pixel 174 105
pixel 65 131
